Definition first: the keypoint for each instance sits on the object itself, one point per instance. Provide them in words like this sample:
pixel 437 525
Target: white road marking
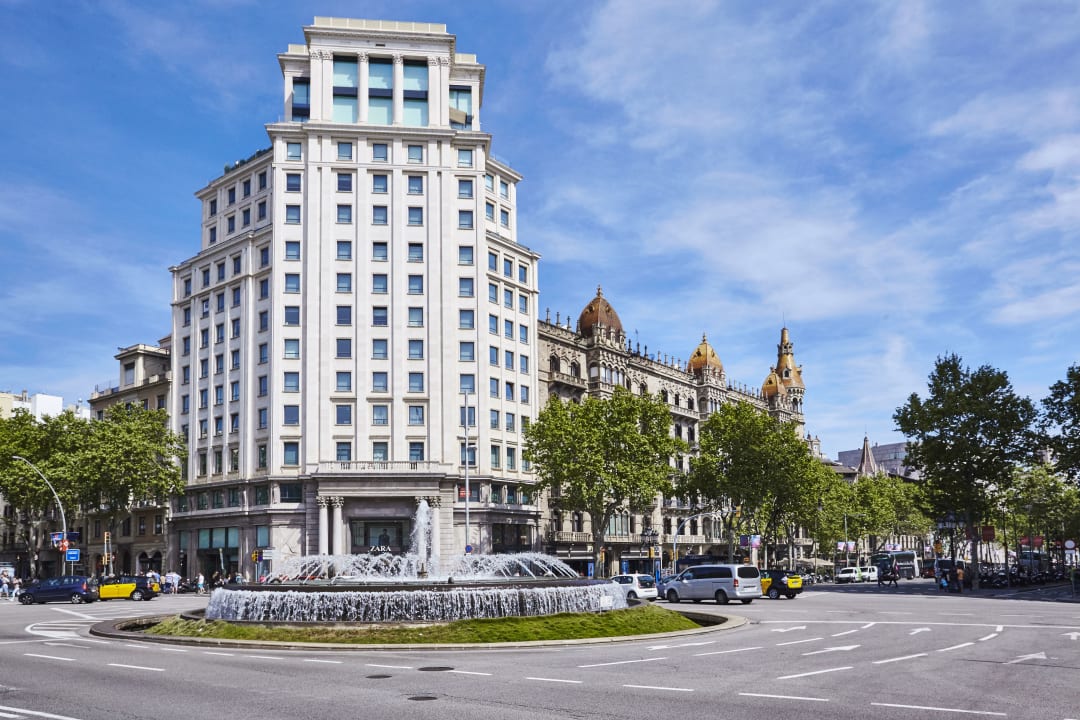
pixel 329 662
pixel 555 680
pixel 170 649
pixel 940 709
pixel 957 614
pixel 894 612
pixel 725 652
pixel 469 672
pixel 844 648
pixel 64 644
pixel 846 632
pixel 264 657
pixel 991 636
pixel 136 667
pixel 623 662
pixel 916 631
pixel 392 667
pixel 898 659
pixel 133 645
pixel 84 616
pixel 785 697
pixel 1032 656
pixel 789 629
pixel 49 657
pixel 955 647
pixel 999 628
pixel 796 642
pixel 815 672
pixel 693 644
pixel 35 713
pixel 210 652
pixel 659 687
pixel 867 625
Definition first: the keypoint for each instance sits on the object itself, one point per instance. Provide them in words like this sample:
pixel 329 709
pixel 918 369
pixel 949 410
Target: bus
pixel 906 560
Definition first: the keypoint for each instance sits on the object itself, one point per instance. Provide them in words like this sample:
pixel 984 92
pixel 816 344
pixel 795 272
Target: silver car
pixel 721 583
pixel 637 586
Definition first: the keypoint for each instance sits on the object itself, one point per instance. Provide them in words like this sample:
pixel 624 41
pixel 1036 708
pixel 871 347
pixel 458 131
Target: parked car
pixel 637 586
pixel 67 588
pixel 869 573
pixel 849 575
pixel 776 582
pixel 136 587
pixel 715 582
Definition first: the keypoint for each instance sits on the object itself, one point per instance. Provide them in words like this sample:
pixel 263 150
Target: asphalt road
pixel 835 651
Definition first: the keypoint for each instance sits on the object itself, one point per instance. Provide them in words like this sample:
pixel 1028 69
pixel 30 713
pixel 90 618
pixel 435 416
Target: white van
pixel 869 573
pixel 721 583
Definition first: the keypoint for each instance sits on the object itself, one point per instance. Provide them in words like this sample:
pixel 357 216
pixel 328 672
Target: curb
pixel 115 629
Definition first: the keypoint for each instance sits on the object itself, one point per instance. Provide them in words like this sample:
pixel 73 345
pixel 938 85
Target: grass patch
pixel 642 620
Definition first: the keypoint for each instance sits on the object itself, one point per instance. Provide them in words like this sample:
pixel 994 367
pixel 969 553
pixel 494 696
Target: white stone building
pixel 352 282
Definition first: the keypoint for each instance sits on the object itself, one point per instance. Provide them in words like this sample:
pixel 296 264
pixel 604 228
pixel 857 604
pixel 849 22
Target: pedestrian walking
pixel 200 584
pixel 960 580
pixel 894 575
pixel 16 587
pixel 5 584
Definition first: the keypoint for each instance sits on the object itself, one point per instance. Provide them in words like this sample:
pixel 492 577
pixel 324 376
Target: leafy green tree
pixel 1061 422
pixel 750 461
pixel 603 456
pixel 967 437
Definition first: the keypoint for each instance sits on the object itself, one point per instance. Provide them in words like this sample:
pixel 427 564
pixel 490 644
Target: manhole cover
pixel 423 697
pixel 377 677
pixel 436 668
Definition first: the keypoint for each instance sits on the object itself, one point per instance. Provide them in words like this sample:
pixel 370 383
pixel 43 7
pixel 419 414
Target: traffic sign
pixel 1070 544
pixel 72 555
pixel 63 545
pixel 56 537
pixel 468 549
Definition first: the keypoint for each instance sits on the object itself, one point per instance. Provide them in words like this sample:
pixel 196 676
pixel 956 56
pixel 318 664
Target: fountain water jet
pixel 418 586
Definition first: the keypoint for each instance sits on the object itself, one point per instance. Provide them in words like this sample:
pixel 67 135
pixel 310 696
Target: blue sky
pixel 894 181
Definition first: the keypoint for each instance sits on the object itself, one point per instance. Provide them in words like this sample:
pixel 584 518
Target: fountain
pixel 418 586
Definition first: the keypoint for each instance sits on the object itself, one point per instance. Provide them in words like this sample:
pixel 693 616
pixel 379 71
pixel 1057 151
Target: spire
pixel 790 374
pixel 867 466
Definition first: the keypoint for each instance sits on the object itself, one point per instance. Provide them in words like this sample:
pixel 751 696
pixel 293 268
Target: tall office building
pixel 360 318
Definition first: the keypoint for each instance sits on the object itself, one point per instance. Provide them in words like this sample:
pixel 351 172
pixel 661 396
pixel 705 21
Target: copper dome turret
pixel 704 356
pixel 599 312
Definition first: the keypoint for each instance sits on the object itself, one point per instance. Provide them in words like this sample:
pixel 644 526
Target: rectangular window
pixel 464 157
pixel 345 107
pixel 416 317
pixel 496 456
pixel 493 293
pixel 464 188
pixel 494 419
pixel 230 223
pixel 416 349
pixel 264 256
pixel 510 426
pixel 213 236
pixel 344 249
pixel 416 284
pixel 523 274
pixel 262 415
pixel 508 361
pixel 290 456
pixel 511 458
pixel 292 282
pixel 264 289
pixel 508 298
pixel 236 297
pixel 379 152
pixel 378 215
pixel 292 382
pixel 467 383
pixel 466 287
pixel 264 353
pixel 466 319
pixel 523 334
pixel 292 314
pixel 379 284
pixel 344 182
pixel 261 210
pixel 460 107
pixel 415 93
pixel 525 394
pixel 344 381
pixel 504 218
pixel 232 196
pixel 343 414
pixel 510 391
pixel 292 214
pixel 416 153
pixel 380 92
pixel 379 382
pixel 262 180
pixel 416 216
pixel 379 184
pixel 380 451
pixel 466 351
pixel 301 99
pixel 508 329
pixel 379 252
pixel 234 360
pixel 290 415
pixel 292 250
pixel 493 261
pixel 523 362
pixel 262 460
pixel 292 182
pixel 292 151
pixel 344 451
pixel 416 252
pixel 378 349
pixel 493 356
pixel 465 219
pixel 344 151
pixel 264 320
pixel 344 348
pixel 344 214
pixel 234 390
pixel 344 282
pixel 493 387
pixel 471 416
pixel 493 324
pixel 504 189
pixel 416 185
pixel 292 348
pixel 416 451
pixel 489 211
pixel 344 314
pixel 416 414
pixel 508 267
pixel 379 316
pixel 465 255
pixel 523 304
pixel 380 414
pixel 263 383
pixel 416 382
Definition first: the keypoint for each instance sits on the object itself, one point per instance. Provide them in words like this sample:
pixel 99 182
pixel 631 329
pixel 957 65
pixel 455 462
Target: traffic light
pixel 107 535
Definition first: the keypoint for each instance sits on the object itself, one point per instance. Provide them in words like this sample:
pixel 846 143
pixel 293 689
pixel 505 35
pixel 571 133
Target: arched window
pixel 553 364
pixel 664 395
pixel 578 521
pixel 677 400
pixel 642 390
pixel 689 403
pixel 575 370
pixel 690 433
pixel 667 526
pixel 678 430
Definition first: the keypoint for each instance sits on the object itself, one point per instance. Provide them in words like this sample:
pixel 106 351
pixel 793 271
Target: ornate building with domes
pixel 595 356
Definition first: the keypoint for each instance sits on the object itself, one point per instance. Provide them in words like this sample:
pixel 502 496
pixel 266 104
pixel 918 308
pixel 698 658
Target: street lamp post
pixel 63 518
pixel 847 552
pixel 648 540
pixel 468 460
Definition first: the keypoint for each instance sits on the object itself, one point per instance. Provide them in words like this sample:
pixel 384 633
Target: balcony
pixel 379 467
pixel 565 379
pixel 563 536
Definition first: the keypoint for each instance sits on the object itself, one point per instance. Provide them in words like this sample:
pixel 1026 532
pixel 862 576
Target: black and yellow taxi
pixel 135 587
pixel 776 582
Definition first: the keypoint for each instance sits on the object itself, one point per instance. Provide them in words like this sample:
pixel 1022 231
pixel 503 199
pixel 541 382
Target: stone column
pixel 337 532
pixel 323 538
pixel 362 89
pixel 399 90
